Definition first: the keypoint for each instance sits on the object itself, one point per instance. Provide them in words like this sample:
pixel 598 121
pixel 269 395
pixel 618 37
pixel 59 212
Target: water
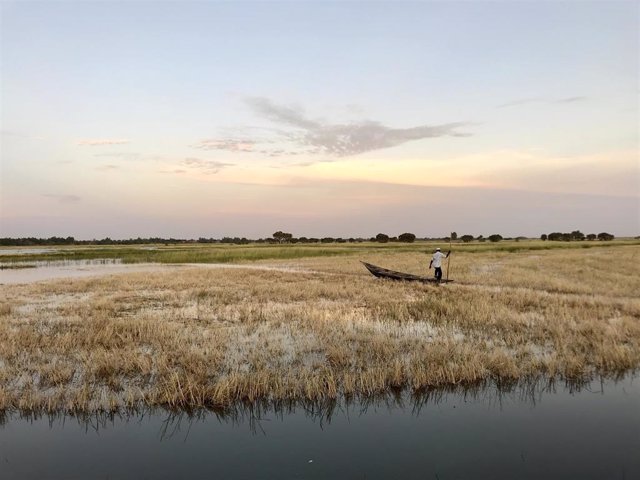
pixel 593 433
pixel 36 271
pixel 27 250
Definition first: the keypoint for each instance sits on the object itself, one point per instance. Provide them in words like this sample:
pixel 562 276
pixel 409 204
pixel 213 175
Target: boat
pixel 393 275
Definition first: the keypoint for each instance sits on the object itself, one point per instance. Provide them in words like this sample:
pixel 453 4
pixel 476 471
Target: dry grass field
pixel 316 328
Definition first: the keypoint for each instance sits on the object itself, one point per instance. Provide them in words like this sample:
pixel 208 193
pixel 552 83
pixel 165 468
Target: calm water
pixel 36 271
pixel 545 433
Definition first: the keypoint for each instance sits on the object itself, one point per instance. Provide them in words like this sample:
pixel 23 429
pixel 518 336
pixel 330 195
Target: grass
pixel 323 329
pixel 225 253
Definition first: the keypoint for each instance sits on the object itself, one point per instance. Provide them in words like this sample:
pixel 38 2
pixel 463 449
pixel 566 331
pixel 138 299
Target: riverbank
pixel 316 328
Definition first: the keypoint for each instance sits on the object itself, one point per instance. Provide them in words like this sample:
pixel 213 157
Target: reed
pixel 318 328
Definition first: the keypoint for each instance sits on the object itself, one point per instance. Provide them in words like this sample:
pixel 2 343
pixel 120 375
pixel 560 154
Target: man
pixel 436 262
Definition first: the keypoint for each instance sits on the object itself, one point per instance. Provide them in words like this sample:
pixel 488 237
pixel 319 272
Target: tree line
pixel 281 237
pixel 277 238
pixel 576 235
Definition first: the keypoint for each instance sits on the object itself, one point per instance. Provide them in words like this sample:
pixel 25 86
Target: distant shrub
pixel 605 236
pixel 407 237
pixel 382 238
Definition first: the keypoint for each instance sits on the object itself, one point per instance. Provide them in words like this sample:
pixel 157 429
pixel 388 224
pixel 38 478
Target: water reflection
pixel 321 412
pixel 27 251
pixel 60 263
pixel 35 271
pixel 527 430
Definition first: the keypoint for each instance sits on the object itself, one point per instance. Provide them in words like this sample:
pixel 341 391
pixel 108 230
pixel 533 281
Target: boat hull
pixel 393 275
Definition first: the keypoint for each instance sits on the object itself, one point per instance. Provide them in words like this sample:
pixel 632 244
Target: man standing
pixel 436 262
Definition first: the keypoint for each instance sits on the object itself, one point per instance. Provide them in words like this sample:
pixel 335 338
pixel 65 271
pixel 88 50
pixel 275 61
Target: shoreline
pixel 525 390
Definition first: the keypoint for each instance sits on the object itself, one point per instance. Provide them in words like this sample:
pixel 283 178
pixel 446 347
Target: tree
pixel 407 237
pixel 282 236
pixel 543 237
pixel 605 236
pixel 495 237
pixel 591 236
pixel 454 236
pixel 466 238
pixel 382 238
pixel 577 235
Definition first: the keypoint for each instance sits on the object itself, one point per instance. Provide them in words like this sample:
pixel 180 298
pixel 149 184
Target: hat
pixel 437 249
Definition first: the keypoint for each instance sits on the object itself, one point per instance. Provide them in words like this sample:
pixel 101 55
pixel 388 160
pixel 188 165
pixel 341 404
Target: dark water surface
pixel 543 433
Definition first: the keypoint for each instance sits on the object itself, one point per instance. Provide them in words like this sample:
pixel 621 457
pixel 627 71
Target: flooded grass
pixel 317 328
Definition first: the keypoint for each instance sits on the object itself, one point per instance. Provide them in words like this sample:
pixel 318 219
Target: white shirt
pixel 437 259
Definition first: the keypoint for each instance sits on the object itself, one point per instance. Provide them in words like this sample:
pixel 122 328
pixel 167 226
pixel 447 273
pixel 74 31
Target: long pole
pixel 449 259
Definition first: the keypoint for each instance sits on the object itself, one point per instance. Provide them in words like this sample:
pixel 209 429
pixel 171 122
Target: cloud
pixel 206 166
pixel 304 135
pixel 293 116
pixel 570 100
pixel 549 101
pixel 341 140
pixel 352 139
pixel 227 144
pixel 122 155
pixel 108 167
pixel 101 142
pixel 62 198
pixel 11 133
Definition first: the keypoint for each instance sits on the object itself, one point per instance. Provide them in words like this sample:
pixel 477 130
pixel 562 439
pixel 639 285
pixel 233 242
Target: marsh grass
pixel 225 253
pixel 326 328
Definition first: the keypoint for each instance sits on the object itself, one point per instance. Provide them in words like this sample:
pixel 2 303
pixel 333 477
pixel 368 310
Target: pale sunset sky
pixel 325 118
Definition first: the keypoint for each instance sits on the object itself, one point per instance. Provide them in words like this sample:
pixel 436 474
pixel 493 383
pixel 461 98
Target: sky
pixel 327 118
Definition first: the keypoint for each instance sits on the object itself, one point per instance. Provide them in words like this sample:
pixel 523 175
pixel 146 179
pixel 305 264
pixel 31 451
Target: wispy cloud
pixel 98 142
pixel 11 133
pixel 293 116
pixel 318 137
pixel 569 100
pixel 549 101
pixel 298 134
pixel 230 145
pixel 62 198
pixel 108 167
pixel 120 155
pixel 206 166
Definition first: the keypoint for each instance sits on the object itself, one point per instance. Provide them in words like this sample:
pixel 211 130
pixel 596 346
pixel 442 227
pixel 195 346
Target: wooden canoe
pixel 392 275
